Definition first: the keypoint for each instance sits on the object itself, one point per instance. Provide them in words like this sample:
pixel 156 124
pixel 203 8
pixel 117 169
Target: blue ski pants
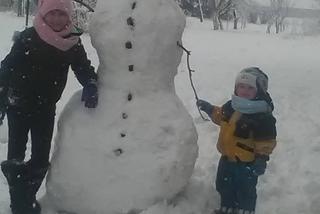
pixel 236 185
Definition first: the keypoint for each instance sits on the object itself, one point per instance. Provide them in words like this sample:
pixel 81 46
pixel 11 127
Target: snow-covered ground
pixel 291 184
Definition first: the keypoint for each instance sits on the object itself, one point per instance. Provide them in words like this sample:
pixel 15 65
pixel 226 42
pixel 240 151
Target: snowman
pixel 139 146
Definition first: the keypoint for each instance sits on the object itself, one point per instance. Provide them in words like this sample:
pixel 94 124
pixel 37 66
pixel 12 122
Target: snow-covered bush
pixel 82 15
pixel 311 27
pixel 303 27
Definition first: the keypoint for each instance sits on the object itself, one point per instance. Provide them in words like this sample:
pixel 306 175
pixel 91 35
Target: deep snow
pixel 291 184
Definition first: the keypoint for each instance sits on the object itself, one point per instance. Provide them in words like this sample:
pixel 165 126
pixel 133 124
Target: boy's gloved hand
pixel 205 106
pixel 90 95
pixel 259 164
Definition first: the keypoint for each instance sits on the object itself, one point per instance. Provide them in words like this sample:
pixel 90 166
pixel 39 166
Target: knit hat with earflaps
pixel 62 40
pixel 46 6
pixel 256 78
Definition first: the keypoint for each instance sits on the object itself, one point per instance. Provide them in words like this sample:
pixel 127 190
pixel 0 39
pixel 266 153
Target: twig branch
pixel 85 4
pixel 190 77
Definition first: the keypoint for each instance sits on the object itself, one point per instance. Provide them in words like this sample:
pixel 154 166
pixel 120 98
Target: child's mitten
pixel 90 95
pixel 260 164
pixel 205 106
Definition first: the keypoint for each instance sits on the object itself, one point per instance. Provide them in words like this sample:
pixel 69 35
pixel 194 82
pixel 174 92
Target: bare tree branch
pixel 85 4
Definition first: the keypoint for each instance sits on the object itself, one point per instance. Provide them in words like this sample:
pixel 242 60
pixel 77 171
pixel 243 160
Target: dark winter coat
pixel 35 73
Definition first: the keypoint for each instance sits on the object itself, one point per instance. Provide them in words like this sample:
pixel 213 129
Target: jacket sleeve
pixel 222 113
pixel 265 136
pixel 8 65
pixel 9 62
pixel 216 115
pixel 81 65
pixel 265 147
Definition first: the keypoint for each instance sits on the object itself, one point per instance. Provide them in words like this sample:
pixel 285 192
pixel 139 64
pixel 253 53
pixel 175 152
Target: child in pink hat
pixel 32 78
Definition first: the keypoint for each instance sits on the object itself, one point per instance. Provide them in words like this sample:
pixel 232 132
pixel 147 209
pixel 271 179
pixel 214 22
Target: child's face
pixel 57 20
pixel 246 91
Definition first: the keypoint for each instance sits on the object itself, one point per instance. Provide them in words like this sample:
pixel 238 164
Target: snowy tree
pixel 278 12
pixel 20 11
pixel 186 6
pixel 18 6
pixel 82 13
pixel 6 4
pixel 219 9
pixel 215 9
pixel 195 8
pixel 235 9
pixel 241 12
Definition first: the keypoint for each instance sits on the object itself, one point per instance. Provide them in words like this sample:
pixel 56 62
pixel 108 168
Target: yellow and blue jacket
pixel 242 136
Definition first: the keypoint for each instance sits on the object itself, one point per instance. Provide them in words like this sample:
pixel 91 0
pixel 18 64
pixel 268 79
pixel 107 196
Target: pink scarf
pixel 56 39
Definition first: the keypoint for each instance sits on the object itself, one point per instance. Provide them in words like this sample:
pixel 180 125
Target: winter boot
pixel 27 209
pixel 22 187
pixel 35 177
pixel 14 172
pixel 241 211
pixel 226 210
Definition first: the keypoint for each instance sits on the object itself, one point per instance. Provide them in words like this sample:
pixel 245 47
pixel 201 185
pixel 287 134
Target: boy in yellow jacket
pixel 246 139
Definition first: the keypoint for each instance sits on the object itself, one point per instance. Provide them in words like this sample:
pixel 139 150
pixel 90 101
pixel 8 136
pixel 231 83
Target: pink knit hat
pixel 60 40
pixel 46 6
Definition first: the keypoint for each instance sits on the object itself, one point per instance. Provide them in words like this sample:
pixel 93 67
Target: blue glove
pixel 90 95
pixel 205 106
pixel 259 165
